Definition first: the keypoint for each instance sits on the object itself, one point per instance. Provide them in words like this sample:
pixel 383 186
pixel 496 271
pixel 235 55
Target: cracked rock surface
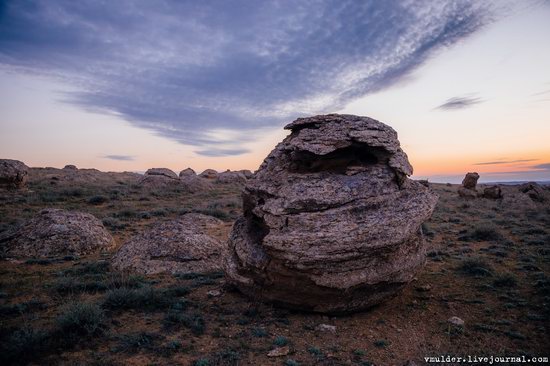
pixel 331 221
pixel 176 246
pixel 55 232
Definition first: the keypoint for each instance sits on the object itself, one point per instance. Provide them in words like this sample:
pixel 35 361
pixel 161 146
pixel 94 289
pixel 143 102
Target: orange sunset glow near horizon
pixel 466 85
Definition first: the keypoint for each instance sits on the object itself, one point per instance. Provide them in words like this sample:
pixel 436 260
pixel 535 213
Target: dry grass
pixel 488 264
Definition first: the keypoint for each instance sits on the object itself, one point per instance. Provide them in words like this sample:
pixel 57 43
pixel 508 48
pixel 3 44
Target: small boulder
pixel 231 177
pixel 188 172
pixel 456 321
pixel 470 181
pixel 13 173
pixel 326 328
pixel 70 167
pixel 177 246
pixel 163 172
pixel 492 192
pixel 209 174
pixel 279 352
pixel 55 232
pixel 247 173
pixel 424 182
pixel 533 190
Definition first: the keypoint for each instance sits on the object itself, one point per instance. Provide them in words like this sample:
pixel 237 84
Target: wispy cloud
pixel 183 69
pixel 120 157
pixel 505 162
pixel 459 103
pixel 545 166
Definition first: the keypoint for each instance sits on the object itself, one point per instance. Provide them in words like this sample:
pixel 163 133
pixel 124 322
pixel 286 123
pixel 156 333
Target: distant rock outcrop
pixel 176 246
pixel 209 174
pixel 468 188
pixel 70 167
pixel 470 181
pixel 187 172
pixel 13 173
pixel 533 190
pixel 331 221
pixel 55 232
pixel 231 177
pixel 162 172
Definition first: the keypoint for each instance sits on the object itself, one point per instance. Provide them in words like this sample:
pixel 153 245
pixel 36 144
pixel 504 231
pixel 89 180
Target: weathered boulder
pixel 13 173
pixel 231 177
pixel 157 178
pixel 467 193
pixel 470 181
pixel 492 192
pixel 177 246
pixel 247 173
pixel 55 232
pixel 209 174
pixel 162 172
pixel 70 167
pixel 194 183
pixel 187 172
pixel 468 188
pixel 533 190
pixel 331 221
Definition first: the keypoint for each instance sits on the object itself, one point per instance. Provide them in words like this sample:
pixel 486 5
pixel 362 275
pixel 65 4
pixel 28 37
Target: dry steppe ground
pixel 488 264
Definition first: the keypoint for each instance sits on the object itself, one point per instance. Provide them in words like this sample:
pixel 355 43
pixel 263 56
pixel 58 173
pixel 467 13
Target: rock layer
pixel 55 232
pixel 331 221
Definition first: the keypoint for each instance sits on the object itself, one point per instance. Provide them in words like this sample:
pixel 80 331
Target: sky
pixel 130 85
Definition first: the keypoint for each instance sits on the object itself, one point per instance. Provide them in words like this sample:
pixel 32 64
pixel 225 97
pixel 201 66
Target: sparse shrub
pixel 314 351
pixel 475 267
pixel 80 319
pixel 194 322
pixel 280 341
pixel 505 280
pixel 135 341
pixel 65 285
pixel 23 345
pixel 39 261
pixel 159 212
pixel 97 200
pixel 259 332
pixel 291 362
pixel 381 343
pixel 113 223
pixel 201 362
pixel 87 268
pixel 140 298
pixel 484 233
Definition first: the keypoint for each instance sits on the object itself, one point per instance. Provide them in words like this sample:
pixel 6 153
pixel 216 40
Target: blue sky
pixel 214 81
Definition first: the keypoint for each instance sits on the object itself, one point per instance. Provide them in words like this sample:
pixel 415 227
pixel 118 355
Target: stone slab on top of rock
pixel 176 246
pixel 162 171
pixel 56 232
pixel 331 221
pixel 13 173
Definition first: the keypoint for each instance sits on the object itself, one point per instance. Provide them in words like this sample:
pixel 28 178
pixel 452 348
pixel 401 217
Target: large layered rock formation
pixel 55 232
pixel 331 222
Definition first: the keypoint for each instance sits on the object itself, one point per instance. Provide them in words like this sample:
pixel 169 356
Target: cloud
pixel 119 157
pixel 459 103
pixel 545 166
pixel 182 68
pixel 505 162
